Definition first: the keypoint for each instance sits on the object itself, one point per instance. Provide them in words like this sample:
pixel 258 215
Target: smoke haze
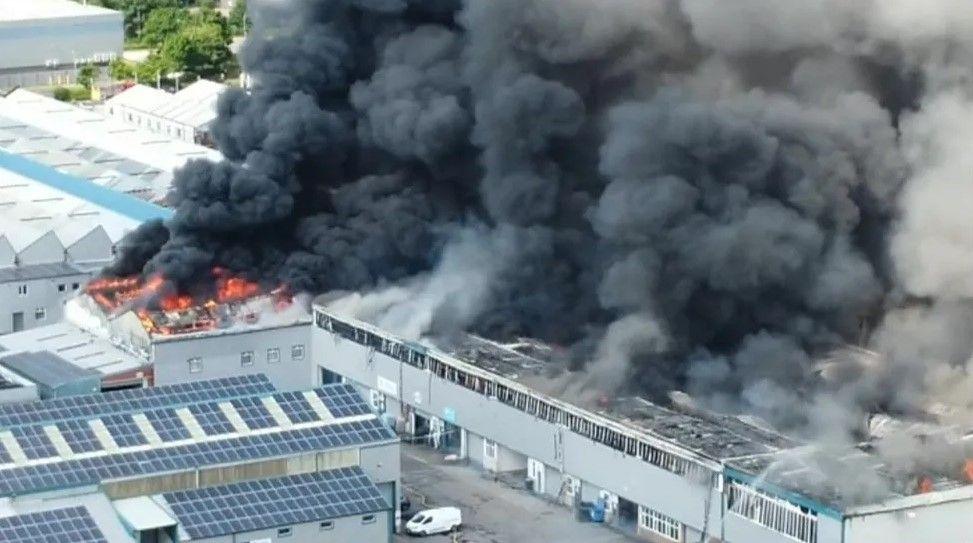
pixel 690 193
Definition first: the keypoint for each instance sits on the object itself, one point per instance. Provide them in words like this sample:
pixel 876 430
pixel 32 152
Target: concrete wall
pixel 154 123
pixel 28 47
pixel 344 530
pixel 41 293
pixel 221 357
pixel 629 477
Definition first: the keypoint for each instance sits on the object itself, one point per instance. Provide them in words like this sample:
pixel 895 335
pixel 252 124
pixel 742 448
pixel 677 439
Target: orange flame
pixel 968 470
pixel 235 288
pixel 925 485
pixel 179 302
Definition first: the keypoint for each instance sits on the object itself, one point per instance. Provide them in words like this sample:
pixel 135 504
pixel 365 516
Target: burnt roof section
pixel 47 368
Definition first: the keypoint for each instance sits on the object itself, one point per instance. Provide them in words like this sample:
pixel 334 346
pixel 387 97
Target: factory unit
pixel 661 473
pixel 56 231
pixel 213 461
pixel 185 115
pixel 44 42
pixel 92 145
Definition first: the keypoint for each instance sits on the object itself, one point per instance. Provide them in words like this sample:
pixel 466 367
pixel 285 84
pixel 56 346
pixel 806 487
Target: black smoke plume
pixel 688 196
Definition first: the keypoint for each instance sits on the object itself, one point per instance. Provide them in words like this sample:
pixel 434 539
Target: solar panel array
pixel 132 401
pixel 6 384
pixel 240 448
pixel 94 459
pixel 72 524
pixel 342 400
pixel 267 503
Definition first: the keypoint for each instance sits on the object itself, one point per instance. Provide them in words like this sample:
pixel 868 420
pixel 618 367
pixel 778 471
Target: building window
pixel 489 449
pixel 273 355
pixel 327 525
pixel 660 524
pixel 62 287
pixel 40 313
pixel 771 512
pixel 246 358
pixel 22 290
pixel 297 352
pixel 285 532
pixel 368 519
pixel 75 286
pixel 195 364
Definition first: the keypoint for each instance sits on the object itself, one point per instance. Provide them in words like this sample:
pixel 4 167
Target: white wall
pixel 32 43
pixel 41 293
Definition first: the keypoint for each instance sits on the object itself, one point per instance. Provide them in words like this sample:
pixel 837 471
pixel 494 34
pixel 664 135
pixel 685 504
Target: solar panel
pixel 342 400
pixel 266 503
pixel 34 442
pixel 93 470
pixel 253 412
pixel 131 401
pixel 6 384
pixel 4 455
pixel 167 424
pixel 79 436
pixel 211 419
pixel 124 430
pixel 296 407
pixel 72 524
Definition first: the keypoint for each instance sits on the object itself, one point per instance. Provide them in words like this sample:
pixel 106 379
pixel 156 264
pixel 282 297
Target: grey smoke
pixel 687 193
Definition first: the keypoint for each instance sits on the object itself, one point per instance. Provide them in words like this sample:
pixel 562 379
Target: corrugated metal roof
pixel 193 106
pixel 22 10
pixel 39 271
pixel 47 368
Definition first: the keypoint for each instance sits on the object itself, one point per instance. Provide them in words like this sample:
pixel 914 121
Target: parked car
pixel 435 521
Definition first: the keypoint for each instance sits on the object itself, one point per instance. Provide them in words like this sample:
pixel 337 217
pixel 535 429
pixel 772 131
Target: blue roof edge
pixel 783 493
pixel 118 202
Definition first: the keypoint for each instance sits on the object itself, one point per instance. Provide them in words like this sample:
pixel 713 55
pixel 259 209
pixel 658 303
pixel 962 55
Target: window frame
pixel 195 364
pixel 275 351
pixel 246 359
pixel 295 348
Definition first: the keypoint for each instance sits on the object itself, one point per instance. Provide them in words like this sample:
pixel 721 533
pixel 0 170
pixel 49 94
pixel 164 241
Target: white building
pixel 55 232
pixel 44 42
pixel 93 146
pixel 185 115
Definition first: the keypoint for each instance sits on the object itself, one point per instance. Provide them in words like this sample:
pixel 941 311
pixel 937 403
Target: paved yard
pixel 492 512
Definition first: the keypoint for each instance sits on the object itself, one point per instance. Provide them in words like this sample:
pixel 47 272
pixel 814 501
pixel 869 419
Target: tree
pixel 238 18
pixel 198 50
pixel 120 69
pixel 137 12
pixel 162 23
pixel 154 67
pixel 86 75
pixel 62 94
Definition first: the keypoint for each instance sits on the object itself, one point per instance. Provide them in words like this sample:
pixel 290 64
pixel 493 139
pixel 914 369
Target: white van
pixel 434 521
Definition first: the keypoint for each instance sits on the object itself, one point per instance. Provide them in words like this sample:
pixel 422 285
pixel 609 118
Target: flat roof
pixel 21 10
pixel 29 272
pixel 79 347
pixel 268 503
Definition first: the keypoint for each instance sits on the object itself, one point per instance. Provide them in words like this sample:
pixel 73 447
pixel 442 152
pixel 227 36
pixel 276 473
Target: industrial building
pixel 111 328
pixel 91 145
pixel 664 474
pixel 44 42
pixel 185 115
pixel 210 461
pixel 56 231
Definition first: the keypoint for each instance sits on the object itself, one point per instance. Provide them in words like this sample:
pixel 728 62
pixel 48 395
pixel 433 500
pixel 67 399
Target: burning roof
pixel 161 311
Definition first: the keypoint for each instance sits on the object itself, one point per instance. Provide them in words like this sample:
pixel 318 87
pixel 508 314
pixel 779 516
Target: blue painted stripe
pixel 119 202
pixel 782 493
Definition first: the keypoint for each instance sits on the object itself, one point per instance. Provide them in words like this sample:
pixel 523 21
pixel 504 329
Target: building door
pixel 489 455
pixel 535 472
pixel 18 321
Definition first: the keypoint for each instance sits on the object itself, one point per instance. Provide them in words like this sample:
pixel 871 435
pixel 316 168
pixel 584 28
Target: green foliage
pixel 238 18
pixel 86 75
pixel 62 94
pixel 152 68
pixel 79 93
pixel 121 70
pixel 161 24
pixel 136 12
pixel 199 50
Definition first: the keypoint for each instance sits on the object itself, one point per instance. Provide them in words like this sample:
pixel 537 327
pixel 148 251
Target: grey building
pixel 44 42
pixel 54 376
pixel 214 461
pixel 665 474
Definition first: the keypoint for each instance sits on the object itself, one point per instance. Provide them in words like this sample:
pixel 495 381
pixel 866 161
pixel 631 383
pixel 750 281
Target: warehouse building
pixel 211 461
pixel 44 42
pixel 186 115
pixel 90 145
pixel 661 473
pixel 56 231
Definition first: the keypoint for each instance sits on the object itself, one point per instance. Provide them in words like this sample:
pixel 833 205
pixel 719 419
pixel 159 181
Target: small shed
pixel 54 376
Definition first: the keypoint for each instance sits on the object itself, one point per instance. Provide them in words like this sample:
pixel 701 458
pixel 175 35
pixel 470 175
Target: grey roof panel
pixel 47 368
pixel 268 503
pixel 31 272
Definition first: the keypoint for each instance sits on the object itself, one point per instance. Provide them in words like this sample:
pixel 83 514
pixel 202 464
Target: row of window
pixel 24 289
pixel 416 356
pixel 782 516
pixel 247 359
pixel 323 526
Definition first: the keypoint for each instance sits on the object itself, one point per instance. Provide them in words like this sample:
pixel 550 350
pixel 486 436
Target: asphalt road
pixel 492 511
